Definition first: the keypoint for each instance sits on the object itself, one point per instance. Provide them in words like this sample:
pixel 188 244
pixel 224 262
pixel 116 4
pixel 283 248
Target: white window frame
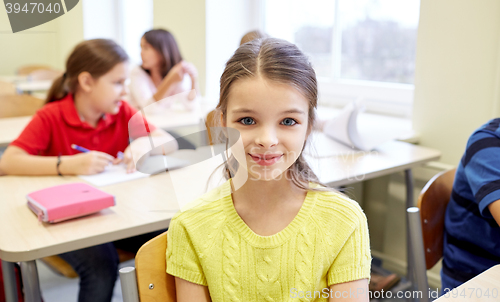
pixel 378 97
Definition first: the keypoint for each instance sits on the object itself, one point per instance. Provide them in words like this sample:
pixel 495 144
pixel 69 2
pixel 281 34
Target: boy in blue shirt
pixel 472 231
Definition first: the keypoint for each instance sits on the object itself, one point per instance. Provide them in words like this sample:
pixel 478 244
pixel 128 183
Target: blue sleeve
pixel 482 169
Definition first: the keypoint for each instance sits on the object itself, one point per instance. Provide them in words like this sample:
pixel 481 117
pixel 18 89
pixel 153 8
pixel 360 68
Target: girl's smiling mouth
pixel 265 159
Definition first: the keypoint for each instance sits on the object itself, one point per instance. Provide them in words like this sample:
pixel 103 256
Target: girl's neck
pixel 156 76
pixel 267 195
pixel 85 111
pixel 267 207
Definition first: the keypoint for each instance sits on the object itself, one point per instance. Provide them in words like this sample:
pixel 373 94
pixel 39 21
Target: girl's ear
pixel 85 81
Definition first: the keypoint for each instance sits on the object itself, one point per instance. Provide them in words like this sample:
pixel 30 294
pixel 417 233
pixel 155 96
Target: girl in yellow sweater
pixel 271 232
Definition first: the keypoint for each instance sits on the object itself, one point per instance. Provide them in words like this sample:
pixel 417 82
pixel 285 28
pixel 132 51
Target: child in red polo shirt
pixel 84 108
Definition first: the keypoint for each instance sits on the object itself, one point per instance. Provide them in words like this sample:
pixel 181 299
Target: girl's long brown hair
pixel 282 62
pixel 164 42
pixel 96 57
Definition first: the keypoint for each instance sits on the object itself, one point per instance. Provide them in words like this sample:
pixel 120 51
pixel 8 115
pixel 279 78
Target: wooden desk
pixel 32 86
pixel 142 206
pixel 13 78
pixel 11 127
pixel 475 289
pixel 388 158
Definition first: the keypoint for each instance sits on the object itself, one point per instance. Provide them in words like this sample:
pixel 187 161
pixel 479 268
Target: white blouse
pixel 142 89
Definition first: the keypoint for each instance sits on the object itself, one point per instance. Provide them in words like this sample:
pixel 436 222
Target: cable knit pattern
pixel 230 263
pixel 326 243
pixel 303 262
pixel 268 272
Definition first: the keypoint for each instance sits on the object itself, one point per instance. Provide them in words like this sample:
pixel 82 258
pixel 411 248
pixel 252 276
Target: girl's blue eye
pixel 247 121
pixel 288 122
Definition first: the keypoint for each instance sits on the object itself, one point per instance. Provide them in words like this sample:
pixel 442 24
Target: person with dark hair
pixel 163 72
pixel 272 231
pixel 84 107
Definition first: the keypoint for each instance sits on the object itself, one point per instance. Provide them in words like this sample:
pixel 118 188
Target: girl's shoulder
pixel 334 204
pixel 57 109
pixel 138 71
pixel 208 207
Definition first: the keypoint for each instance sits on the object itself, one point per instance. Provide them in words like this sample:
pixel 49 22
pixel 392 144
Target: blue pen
pixel 81 149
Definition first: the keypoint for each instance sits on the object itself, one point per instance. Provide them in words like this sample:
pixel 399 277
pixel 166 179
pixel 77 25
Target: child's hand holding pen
pixel 88 162
pixel 141 148
pixel 137 149
pixel 127 159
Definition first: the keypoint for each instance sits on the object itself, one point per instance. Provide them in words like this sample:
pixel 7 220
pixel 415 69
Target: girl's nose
pixel 267 137
pixel 124 90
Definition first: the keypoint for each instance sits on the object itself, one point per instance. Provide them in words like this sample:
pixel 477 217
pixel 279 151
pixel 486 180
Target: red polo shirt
pixel 57 125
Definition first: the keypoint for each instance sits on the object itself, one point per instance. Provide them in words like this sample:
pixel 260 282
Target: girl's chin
pixel 267 176
pixel 116 108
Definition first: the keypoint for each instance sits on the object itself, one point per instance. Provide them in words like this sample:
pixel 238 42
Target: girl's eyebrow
pixel 244 110
pixel 294 111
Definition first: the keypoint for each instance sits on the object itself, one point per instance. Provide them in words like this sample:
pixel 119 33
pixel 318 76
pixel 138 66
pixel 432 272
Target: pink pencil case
pixel 68 201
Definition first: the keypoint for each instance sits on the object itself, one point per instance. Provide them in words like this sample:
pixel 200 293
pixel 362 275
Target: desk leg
pixel 409 253
pixel 9 281
pixel 31 284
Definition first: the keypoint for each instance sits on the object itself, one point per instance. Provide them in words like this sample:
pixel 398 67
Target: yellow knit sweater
pixel 326 243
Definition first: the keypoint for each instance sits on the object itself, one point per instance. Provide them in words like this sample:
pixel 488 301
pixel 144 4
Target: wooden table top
pixel 142 206
pixel 353 167
pixel 484 287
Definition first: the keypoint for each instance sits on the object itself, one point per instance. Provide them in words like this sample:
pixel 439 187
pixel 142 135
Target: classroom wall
pixel 32 46
pixel 47 44
pixel 186 20
pixel 208 32
pixel 70 33
pixel 457 77
pixel 226 23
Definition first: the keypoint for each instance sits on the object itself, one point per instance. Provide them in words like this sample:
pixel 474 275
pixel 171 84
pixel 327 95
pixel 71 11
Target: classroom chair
pixel 148 281
pixel 44 75
pixel 14 105
pixel 27 69
pixel 7 88
pixel 426 223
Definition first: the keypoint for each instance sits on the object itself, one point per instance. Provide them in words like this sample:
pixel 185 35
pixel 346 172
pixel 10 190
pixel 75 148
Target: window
pixel 124 21
pixel 359 48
